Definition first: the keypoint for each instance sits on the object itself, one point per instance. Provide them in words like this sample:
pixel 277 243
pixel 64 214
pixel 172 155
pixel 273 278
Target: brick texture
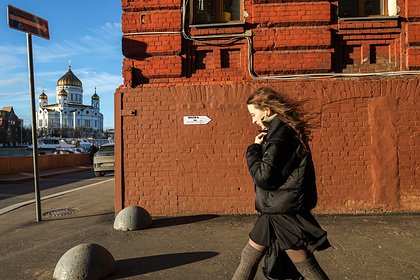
pixel 413 31
pixel 175 169
pixel 151 45
pixel 292 38
pixel 413 9
pixel 150 4
pixel 292 61
pixel 369 46
pixel 414 63
pixel 147 21
pixel 365 140
pixel 286 13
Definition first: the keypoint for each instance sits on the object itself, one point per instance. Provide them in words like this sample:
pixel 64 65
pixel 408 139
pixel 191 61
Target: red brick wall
pixel 287 38
pixel 413 34
pixel 413 31
pixel 366 138
pixel 364 145
pixel 291 12
pixel 371 46
pixel 413 8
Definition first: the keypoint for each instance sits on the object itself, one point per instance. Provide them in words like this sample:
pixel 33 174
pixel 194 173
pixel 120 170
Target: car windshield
pixel 105 151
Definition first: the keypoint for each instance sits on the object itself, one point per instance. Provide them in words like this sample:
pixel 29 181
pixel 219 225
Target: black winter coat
pixel 283 173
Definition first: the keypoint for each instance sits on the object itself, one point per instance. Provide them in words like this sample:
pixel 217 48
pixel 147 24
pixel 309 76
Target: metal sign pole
pixel 30 24
pixel 34 132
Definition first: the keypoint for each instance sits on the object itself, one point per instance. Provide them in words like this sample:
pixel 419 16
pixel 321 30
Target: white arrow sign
pixel 196 120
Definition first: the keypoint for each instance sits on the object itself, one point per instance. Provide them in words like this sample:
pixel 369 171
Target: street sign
pixel 31 24
pixel 26 22
pixel 196 120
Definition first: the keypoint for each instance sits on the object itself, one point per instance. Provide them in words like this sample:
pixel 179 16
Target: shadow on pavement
pixel 174 221
pixel 143 265
pixel 107 217
pixel 23 184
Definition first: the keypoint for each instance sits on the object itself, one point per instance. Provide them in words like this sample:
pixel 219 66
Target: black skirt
pixel 292 231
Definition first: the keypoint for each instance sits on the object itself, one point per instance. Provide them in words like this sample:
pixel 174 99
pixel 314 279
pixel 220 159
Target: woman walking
pixel 281 167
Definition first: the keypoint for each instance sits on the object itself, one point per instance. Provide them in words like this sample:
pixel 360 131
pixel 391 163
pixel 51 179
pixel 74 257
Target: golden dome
pixel 95 96
pixel 69 79
pixel 62 92
pixel 43 95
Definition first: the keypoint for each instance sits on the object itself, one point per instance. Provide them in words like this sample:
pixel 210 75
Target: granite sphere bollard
pixel 132 218
pixel 86 261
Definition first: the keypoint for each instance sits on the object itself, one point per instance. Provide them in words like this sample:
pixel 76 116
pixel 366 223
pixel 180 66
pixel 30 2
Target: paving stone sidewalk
pixel 193 247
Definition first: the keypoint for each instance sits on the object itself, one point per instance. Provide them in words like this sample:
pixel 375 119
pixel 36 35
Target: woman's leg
pixel 250 258
pixel 307 265
pixel 256 246
pixel 297 255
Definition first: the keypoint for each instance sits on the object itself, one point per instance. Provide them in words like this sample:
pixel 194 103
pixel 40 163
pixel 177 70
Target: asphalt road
pixel 17 192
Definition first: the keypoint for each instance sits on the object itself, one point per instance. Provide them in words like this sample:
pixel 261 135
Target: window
pixel 366 8
pixel 215 11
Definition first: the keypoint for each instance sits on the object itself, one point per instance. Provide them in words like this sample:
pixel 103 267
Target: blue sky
pixel 87 33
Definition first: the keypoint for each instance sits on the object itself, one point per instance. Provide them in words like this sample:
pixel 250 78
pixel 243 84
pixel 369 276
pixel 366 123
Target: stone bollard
pixel 132 218
pixel 86 261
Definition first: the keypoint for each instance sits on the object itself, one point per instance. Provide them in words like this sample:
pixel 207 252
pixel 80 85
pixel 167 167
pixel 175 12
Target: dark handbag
pixel 278 266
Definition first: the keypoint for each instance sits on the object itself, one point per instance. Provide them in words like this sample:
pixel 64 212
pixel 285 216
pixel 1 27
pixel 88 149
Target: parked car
pixel 103 160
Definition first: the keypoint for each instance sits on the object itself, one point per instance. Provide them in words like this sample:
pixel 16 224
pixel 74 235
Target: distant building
pixel 69 112
pixel 10 127
pixel 109 133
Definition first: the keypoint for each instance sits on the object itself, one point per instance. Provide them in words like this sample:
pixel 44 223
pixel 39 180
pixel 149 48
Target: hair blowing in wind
pixel 288 111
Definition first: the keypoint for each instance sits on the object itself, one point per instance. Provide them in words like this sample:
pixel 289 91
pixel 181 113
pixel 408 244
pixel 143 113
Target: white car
pixel 103 160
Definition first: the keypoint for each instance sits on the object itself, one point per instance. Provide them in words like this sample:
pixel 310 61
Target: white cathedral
pixel 69 111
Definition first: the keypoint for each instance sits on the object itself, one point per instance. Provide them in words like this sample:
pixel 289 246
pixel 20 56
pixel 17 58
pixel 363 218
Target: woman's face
pixel 257 115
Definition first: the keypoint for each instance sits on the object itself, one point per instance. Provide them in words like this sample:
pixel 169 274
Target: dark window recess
pixel 372 54
pixel 362 8
pixel 200 59
pixel 215 11
pixel 224 58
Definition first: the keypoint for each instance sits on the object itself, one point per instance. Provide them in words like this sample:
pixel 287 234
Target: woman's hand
pixel 259 139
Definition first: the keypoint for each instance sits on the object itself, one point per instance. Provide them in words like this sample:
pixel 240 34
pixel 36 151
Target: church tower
pixel 95 101
pixel 43 100
pixel 72 85
pixel 62 97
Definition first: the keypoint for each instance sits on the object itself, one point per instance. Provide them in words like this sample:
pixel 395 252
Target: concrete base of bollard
pixel 86 261
pixel 132 218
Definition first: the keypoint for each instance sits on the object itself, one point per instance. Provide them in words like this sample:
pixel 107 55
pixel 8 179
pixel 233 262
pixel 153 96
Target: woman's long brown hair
pixel 288 111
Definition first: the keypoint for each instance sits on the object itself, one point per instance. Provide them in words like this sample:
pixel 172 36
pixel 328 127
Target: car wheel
pixel 99 174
